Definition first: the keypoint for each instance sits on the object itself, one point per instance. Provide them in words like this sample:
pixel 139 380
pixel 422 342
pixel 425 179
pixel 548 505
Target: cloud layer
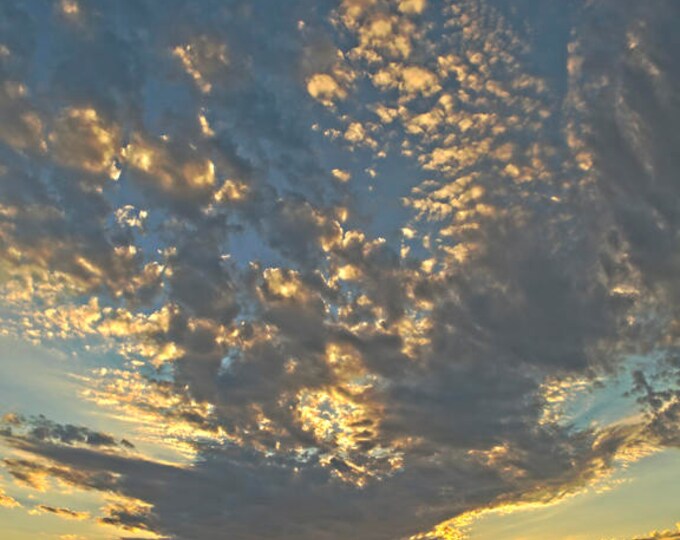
pixel 347 263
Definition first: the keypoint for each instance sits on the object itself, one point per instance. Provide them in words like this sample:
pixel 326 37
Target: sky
pixel 349 269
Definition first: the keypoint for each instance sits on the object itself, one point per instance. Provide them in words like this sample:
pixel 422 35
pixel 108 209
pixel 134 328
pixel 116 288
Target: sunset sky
pixel 339 270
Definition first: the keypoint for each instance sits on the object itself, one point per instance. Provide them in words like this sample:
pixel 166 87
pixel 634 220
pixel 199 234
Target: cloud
pixel 341 175
pixel 412 6
pixel 82 140
pixel 660 535
pixel 8 502
pixel 325 88
pixel 64 513
pixel 40 428
pixel 295 355
pixel 22 126
pixel 203 59
pixel 128 515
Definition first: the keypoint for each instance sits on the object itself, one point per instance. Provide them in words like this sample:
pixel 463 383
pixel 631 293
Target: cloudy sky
pixel 339 269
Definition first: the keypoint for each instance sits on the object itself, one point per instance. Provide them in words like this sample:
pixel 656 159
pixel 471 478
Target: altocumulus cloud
pixel 345 259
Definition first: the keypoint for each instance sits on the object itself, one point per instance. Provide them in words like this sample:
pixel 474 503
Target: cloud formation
pixel 338 268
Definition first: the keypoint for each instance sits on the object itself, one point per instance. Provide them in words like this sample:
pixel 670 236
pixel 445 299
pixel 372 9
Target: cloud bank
pixel 346 260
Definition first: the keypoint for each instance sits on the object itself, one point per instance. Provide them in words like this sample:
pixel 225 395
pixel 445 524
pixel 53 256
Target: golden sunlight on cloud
pixel 416 79
pixel 231 191
pixel 22 127
pixel 8 502
pixel 341 175
pixel 204 60
pixel 69 8
pixel 83 140
pixel 284 284
pixel 341 425
pixel 156 161
pixel 64 513
pixel 129 515
pixel 165 423
pixel 412 6
pixel 462 130
pixel 667 534
pixel 325 89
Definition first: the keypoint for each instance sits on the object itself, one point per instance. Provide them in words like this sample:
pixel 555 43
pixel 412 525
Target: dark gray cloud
pixel 42 429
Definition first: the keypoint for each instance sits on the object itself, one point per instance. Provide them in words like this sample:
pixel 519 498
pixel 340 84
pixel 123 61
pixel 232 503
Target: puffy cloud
pixel 341 175
pixel 659 535
pixel 168 170
pixel 80 139
pixel 325 88
pixel 419 80
pixel 412 6
pixel 8 502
